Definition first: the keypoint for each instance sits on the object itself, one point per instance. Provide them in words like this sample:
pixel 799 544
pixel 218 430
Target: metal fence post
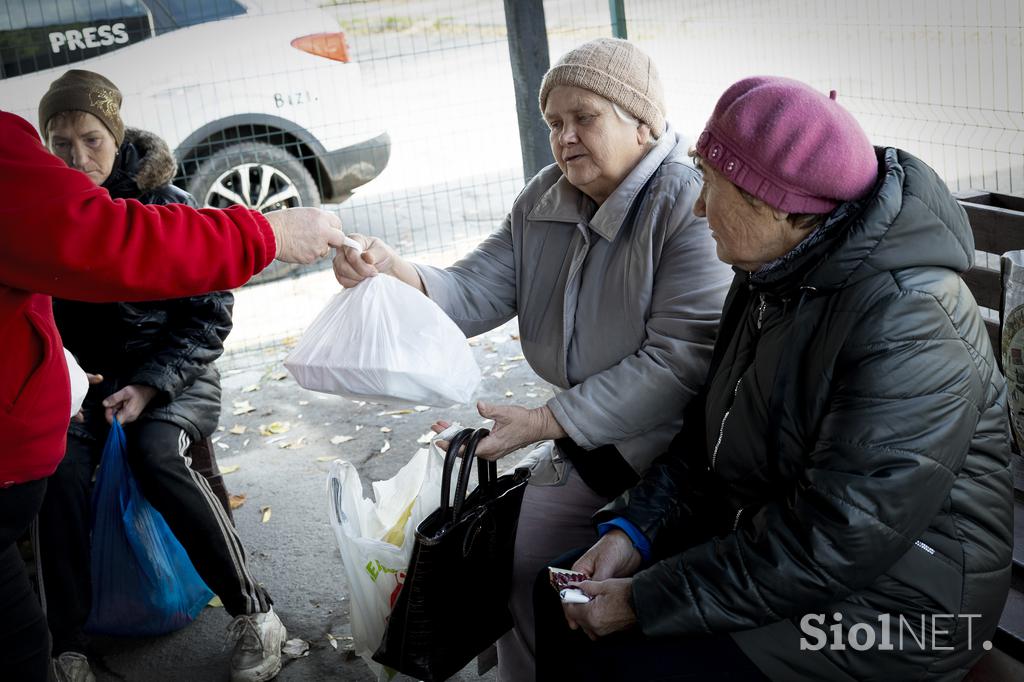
pixel 618 11
pixel 528 49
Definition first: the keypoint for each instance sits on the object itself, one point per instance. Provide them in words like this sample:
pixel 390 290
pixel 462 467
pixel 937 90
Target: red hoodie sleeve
pixel 63 236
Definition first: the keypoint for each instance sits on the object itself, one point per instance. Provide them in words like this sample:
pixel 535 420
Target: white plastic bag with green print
pixel 1012 341
pixel 376 539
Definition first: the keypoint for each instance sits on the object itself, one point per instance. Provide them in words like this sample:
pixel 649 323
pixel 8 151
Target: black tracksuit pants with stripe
pixel 158 456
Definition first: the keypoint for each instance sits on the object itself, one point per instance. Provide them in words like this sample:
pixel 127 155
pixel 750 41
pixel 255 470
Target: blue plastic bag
pixel 143 582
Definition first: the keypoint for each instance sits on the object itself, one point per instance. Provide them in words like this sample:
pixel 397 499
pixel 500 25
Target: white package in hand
pixel 79 382
pixel 376 539
pixel 384 340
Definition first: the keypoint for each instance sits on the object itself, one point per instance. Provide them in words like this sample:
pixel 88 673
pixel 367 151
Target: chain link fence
pixel 401 115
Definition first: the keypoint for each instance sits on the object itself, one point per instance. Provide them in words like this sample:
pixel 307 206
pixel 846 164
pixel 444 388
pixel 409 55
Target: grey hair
pixel 632 120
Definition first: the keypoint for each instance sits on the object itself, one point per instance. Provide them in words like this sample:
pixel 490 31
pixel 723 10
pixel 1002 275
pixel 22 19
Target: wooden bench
pixel 997 221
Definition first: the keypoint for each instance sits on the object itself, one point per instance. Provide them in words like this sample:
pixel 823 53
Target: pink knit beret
pixel 788 145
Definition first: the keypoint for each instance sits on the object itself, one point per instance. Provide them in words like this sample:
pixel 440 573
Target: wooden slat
pixel 978 196
pixel 996 230
pixel 985 284
pixel 974 196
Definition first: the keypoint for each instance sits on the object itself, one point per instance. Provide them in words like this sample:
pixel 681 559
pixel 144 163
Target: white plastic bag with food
pixel 376 538
pixel 384 340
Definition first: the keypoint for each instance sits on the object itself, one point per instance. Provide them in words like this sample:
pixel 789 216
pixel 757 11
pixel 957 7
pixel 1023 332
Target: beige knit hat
pixel 80 90
pixel 618 71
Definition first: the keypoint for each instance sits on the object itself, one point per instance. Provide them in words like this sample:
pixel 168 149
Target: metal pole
pixel 528 49
pixel 618 11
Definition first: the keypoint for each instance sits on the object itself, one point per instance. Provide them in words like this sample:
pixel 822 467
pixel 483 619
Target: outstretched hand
pixel 305 235
pixel 352 266
pixel 514 427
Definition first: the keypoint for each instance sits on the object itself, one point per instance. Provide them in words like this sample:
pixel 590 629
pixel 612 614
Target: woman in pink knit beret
pixel 838 503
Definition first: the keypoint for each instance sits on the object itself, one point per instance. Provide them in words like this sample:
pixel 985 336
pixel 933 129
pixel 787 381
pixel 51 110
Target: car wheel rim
pixel 254 185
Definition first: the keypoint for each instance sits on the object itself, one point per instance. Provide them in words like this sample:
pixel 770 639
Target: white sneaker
pixel 257 655
pixel 72 667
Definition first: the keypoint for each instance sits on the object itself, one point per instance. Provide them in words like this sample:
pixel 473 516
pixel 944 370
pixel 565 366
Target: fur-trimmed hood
pixel 144 169
pixel 155 166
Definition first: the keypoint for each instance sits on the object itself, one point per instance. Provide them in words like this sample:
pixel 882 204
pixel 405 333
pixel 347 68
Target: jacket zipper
pixel 721 429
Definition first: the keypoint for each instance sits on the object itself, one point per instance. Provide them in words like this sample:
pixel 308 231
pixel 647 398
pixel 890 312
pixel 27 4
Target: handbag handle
pixel 466 469
pixel 449 464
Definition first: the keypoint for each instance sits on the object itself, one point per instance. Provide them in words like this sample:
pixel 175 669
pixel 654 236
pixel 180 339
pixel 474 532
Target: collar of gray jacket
pixel 565 203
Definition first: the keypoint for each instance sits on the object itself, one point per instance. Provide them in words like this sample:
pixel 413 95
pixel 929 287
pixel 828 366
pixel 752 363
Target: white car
pixel 258 98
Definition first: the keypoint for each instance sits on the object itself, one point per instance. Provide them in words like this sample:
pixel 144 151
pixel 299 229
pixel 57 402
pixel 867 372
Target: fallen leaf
pixel 326 458
pixel 332 640
pixel 274 428
pixel 384 448
pixel 250 388
pixel 338 440
pixel 301 403
pixel 245 442
pixel 425 438
pixel 529 383
pixel 215 602
pixel 394 413
pixel 509 394
pixel 278 376
pixel 275 439
pixel 214 440
pixel 242 407
pixel 236 501
pixel 223 446
pixel 421 408
pixel 294 445
pixel 385 429
pixel 515 357
pixel 237 429
pixel 230 469
pixel 265 514
pixel 515 337
pixel 295 648
pixel 474 342
pixel 220 428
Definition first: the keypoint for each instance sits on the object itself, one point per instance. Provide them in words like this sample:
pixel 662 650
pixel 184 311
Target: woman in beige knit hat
pixel 618 293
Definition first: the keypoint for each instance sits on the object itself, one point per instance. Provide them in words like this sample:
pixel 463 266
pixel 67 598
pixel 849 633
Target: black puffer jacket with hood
pixel 849 457
pixel 170 345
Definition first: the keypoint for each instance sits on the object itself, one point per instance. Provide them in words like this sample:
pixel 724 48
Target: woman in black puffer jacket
pixel 838 505
pixel 156 359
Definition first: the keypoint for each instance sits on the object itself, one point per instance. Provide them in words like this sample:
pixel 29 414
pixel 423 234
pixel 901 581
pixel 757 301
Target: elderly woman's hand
pixel 514 427
pixel 609 610
pixel 352 266
pixel 613 556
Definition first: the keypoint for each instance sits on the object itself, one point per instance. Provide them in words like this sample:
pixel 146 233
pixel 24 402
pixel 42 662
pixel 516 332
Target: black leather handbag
pixel 454 603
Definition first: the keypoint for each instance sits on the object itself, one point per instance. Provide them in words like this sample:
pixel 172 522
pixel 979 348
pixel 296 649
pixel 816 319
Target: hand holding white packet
pixel 79 383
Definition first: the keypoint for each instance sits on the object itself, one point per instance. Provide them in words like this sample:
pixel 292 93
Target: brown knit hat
pixel 618 71
pixel 79 90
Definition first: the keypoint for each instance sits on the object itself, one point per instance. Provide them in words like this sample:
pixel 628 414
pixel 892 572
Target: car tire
pixel 236 174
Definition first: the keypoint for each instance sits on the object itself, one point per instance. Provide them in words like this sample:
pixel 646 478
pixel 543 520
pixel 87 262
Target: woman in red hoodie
pixel 61 235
